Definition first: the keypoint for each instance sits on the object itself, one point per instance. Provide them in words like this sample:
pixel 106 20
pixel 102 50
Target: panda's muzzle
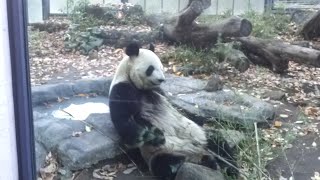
pixel 159 81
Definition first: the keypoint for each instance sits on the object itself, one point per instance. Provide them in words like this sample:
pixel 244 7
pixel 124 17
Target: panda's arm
pixel 125 108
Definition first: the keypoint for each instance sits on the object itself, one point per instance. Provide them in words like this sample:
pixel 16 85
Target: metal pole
pixel 161 5
pixel 233 7
pixel 217 4
pixel 45 9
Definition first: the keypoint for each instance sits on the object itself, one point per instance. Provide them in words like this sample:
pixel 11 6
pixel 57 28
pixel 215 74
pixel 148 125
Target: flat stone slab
pixel 50 92
pixel 79 144
pixel 301 161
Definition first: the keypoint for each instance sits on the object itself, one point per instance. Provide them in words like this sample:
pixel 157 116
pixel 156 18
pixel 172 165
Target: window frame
pixel 17 26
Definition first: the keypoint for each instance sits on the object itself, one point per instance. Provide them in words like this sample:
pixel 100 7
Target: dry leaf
pixel 76 134
pixel 88 128
pixel 284 115
pixel 277 124
pixel 316 176
pixel 298 122
pixel 60 100
pixel 82 95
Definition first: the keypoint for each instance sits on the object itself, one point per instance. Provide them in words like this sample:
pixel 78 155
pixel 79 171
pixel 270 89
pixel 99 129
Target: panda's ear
pixel 132 49
pixel 151 47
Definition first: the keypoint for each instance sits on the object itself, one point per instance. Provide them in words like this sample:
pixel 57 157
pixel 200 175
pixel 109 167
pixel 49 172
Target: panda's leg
pixel 222 148
pixel 166 165
pixel 209 161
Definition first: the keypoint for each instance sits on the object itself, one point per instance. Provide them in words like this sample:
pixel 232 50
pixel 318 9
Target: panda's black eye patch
pixel 149 70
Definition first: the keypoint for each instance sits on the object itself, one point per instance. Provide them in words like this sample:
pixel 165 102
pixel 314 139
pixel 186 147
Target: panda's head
pixel 144 68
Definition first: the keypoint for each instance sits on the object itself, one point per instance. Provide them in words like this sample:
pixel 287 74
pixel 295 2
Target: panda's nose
pixel 160 80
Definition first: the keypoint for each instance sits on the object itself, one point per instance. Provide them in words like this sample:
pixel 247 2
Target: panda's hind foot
pixel 166 165
pixel 209 161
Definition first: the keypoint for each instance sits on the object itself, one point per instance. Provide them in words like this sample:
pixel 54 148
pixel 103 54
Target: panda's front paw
pixel 154 137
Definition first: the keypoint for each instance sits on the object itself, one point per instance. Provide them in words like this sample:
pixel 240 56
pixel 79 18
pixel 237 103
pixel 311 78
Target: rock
pixel 51 131
pixel 275 95
pixel 75 146
pixel 300 16
pixel 41 154
pixel 155 20
pixel 190 171
pixel 87 149
pixel 227 105
pixel 214 84
pixel 51 93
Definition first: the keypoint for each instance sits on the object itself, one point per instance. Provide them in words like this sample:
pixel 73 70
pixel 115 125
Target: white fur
pixel 182 135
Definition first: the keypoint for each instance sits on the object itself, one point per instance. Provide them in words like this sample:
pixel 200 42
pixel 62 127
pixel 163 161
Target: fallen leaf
pixel 314 144
pixel 76 134
pixel 277 124
pixel 298 122
pixel 316 176
pixel 284 115
pixel 60 100
pixel 82 95
pixel 88 128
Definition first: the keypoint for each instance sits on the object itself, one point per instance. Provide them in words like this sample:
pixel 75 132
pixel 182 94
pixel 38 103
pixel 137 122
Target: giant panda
pixel 145 119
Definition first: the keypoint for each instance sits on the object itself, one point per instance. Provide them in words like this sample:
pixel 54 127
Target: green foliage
pixel 88 16
pixel 267 25
pixel 201 61
pixel 197 61
pixel 77 14
pixel 84 41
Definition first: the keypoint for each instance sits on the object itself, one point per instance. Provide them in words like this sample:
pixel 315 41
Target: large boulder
pixel 191 171
pixel 229 105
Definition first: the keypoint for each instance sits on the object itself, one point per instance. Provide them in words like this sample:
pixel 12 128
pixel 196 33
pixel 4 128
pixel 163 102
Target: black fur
pixel 209 161
pixel 166 165
pixel 223 149
pixel 150 70
pixel 133 49
pixel 125 108
pixel 151 47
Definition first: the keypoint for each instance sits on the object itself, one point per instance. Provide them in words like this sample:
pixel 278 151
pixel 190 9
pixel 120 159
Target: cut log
pixel 311 28
pixel 50 27
pixel 276 54
pixel 183 29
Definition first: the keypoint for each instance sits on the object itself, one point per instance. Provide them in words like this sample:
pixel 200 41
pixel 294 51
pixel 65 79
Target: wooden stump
pixel 183 29
pixel 311 28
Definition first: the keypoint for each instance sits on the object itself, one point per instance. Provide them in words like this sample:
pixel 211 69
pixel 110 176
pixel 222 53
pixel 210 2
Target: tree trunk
pixel 183 29
pixel 276 54
pixel 311 28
